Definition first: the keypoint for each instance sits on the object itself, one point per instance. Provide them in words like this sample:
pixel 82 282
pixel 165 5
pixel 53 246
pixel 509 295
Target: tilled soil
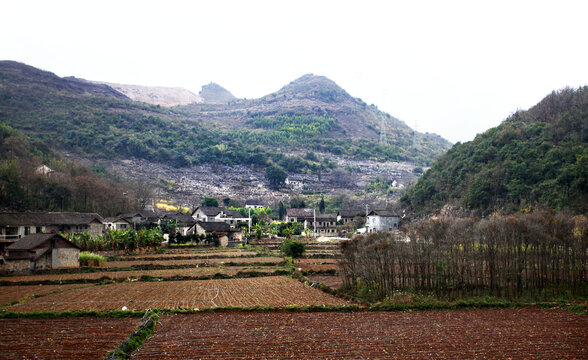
pixel 247 292
pixel 117 275
pixel 193 262
pixel 62 338
pixel 9 294
pixel 522 333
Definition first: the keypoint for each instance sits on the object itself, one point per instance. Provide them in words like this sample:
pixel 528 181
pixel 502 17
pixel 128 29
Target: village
pixel 27 240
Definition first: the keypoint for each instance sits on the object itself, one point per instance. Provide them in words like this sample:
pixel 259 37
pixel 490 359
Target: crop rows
pixel 62 338
pixel 10 294
pixel 136 274
pixel 249 292
pixel 194 262
pixel 189 255
pixel 472 334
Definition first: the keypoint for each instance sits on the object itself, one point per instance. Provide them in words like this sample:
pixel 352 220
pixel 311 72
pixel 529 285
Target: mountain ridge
pixel 312 113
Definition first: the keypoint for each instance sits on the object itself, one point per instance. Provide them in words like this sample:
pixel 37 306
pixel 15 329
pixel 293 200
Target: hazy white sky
pixel 455 68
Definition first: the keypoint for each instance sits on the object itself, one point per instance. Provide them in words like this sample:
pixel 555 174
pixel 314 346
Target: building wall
pixel 17 266
pixel 223 241
pixel 65 257
pixel 382 223
pixel 44 262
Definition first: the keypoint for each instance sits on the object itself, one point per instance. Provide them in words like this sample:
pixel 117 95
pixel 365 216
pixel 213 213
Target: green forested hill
pixel 94 120
pixel 535 158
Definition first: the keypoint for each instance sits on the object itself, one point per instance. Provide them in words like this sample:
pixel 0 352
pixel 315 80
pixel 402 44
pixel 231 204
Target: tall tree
pixel 275 176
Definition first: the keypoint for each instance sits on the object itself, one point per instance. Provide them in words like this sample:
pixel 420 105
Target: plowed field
pixel 77 338
pixel 114 275
pixel 193 254
pixel 194 262
pixel 524 333
pixel 265 291
pixel 15 293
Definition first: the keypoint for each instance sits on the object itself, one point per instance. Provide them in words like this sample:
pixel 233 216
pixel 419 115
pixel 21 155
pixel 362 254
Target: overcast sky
pixel 455 68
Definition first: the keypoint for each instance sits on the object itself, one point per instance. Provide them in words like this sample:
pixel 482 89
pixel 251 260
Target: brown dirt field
pixel 219 261
pixel 77 338
pixel 325 267
pixel 263 291
pixel 193 255
pixel 117 275
pixel 334 282
pixel 315 261
pixel 523 333
pixel 14 293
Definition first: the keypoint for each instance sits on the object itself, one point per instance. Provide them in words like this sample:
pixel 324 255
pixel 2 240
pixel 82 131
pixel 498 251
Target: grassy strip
pixel 137 339
pixel 472 304
pixel 71 314
pixel 140 313
pixel 108 280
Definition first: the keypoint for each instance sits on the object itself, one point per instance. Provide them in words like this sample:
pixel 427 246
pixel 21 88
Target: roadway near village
pixel 251 303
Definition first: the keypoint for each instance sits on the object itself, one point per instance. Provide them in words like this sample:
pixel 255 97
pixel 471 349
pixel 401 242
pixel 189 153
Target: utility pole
pixel 314 222
pixel 249 220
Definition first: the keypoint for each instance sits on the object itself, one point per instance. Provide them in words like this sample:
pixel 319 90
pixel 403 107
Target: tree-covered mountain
pixel 535 158
pixel 310 114
pixel 27 183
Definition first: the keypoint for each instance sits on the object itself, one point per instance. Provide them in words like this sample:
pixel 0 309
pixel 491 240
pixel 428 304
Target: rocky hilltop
pixel 215 94
pixel 157 95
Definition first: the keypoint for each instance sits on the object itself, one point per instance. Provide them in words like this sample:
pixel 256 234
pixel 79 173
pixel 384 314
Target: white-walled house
pixel 117 223
pixel 382 220
pixel 254 204
pixel 219 214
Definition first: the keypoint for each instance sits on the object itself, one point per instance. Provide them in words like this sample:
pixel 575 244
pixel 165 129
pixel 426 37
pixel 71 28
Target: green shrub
pixel 91 259
pixel 292 248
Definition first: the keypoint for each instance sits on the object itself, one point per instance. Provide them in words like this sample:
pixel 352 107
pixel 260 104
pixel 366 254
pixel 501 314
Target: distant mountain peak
pixel 316 87
pixel 214 93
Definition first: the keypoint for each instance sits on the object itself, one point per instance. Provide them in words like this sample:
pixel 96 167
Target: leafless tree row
pixel 539 254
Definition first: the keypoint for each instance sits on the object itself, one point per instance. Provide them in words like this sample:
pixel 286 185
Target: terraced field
pixel 62 338
pixel 264 291
pixel 10 294
pixel 526 333
pixel 136 274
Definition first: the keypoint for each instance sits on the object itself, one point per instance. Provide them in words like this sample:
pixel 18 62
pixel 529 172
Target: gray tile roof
pixel 47 218
pixel 214 226
pixel 385 213
pixel 299 213
pixel 32 241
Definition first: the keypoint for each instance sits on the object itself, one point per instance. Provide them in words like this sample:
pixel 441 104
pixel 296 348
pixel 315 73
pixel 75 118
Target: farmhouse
pixel 346 216
pixel 382 220
pixel 14 226
pixel 117 223
pixel 304 216
pixel 326 224
pixel 222 229
pixel 219 214
pixel 254 204
pixel 41 251
pixel 183 221
pixel 142 216
pixel 208 214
